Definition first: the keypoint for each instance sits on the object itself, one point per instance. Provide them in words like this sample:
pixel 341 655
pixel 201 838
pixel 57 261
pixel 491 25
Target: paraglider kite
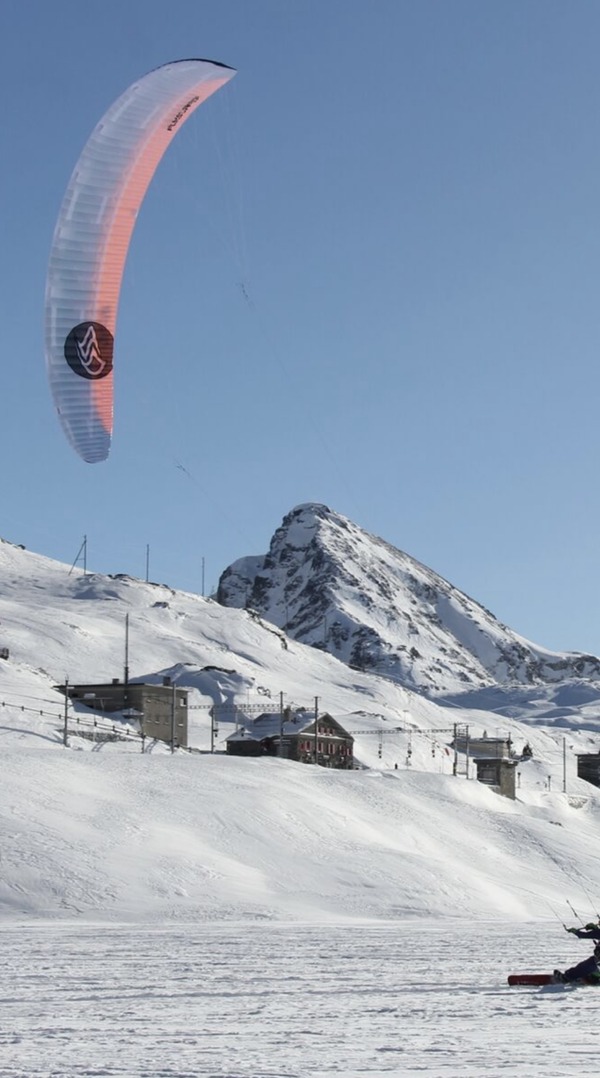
pixel 92 236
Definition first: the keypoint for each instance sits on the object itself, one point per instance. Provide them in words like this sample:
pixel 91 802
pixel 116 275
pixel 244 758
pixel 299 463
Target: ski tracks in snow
pixel 251 1000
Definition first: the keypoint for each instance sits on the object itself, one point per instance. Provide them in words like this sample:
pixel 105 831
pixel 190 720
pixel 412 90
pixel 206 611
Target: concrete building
pixel 588 767
pixel 484 747
pixel 161 710
pixel 498 773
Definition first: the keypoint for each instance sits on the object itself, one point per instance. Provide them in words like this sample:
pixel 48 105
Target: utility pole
pixel 126 678
pixel 213 728
pixel 316 729
pixel 65 729
pixel 147 562
pixel 280 724
pixel 173 702
pixel 564 765
pixel 455 761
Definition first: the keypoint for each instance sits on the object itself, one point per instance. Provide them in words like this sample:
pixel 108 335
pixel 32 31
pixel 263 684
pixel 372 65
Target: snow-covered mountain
pixel 328 583
pixel 101 830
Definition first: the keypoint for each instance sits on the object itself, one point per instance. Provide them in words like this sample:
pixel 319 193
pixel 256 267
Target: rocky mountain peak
pixel 328 583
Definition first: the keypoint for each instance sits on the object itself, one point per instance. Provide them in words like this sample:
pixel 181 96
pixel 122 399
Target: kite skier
pixel 589 969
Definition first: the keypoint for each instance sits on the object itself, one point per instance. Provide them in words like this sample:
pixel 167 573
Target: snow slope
pixel 122 836
pixel 100 831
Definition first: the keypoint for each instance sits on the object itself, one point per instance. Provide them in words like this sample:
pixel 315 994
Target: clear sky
pixel 366 273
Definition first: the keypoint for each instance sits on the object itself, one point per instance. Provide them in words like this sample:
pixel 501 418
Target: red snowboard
pixel 531 978
pixel 545 978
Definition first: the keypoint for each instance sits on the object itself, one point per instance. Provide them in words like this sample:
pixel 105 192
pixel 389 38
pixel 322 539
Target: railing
pixel 90 726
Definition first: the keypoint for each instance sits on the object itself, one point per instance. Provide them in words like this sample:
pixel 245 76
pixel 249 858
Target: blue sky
pixel 366 274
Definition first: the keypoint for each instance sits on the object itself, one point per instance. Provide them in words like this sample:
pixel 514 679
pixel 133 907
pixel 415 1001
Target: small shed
pixel 498 773
pixel 295 736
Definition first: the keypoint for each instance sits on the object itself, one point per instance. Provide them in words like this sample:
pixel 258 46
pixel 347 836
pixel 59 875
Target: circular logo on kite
pixel 89 350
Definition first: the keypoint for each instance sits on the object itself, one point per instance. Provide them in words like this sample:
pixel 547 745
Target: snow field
pixel 279 1001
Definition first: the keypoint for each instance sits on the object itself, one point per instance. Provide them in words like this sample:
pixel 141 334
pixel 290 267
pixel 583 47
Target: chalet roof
pixel 269 725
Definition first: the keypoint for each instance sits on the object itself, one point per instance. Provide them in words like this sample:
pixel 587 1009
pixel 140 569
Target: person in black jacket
pixel 589 969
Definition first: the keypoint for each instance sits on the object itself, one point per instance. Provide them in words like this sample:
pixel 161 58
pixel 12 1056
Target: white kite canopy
pixel 92 236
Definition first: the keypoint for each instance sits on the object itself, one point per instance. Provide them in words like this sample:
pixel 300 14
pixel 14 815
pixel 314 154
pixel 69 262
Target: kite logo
pixel 89 350
pixel 182 112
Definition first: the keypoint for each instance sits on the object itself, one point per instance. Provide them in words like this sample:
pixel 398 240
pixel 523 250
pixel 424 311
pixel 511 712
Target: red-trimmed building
pixel 295 736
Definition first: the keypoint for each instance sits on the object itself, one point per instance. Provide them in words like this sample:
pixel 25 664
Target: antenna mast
pixel 82 550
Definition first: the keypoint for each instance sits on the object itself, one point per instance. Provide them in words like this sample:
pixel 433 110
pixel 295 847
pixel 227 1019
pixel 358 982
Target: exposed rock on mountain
pixel 328 583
